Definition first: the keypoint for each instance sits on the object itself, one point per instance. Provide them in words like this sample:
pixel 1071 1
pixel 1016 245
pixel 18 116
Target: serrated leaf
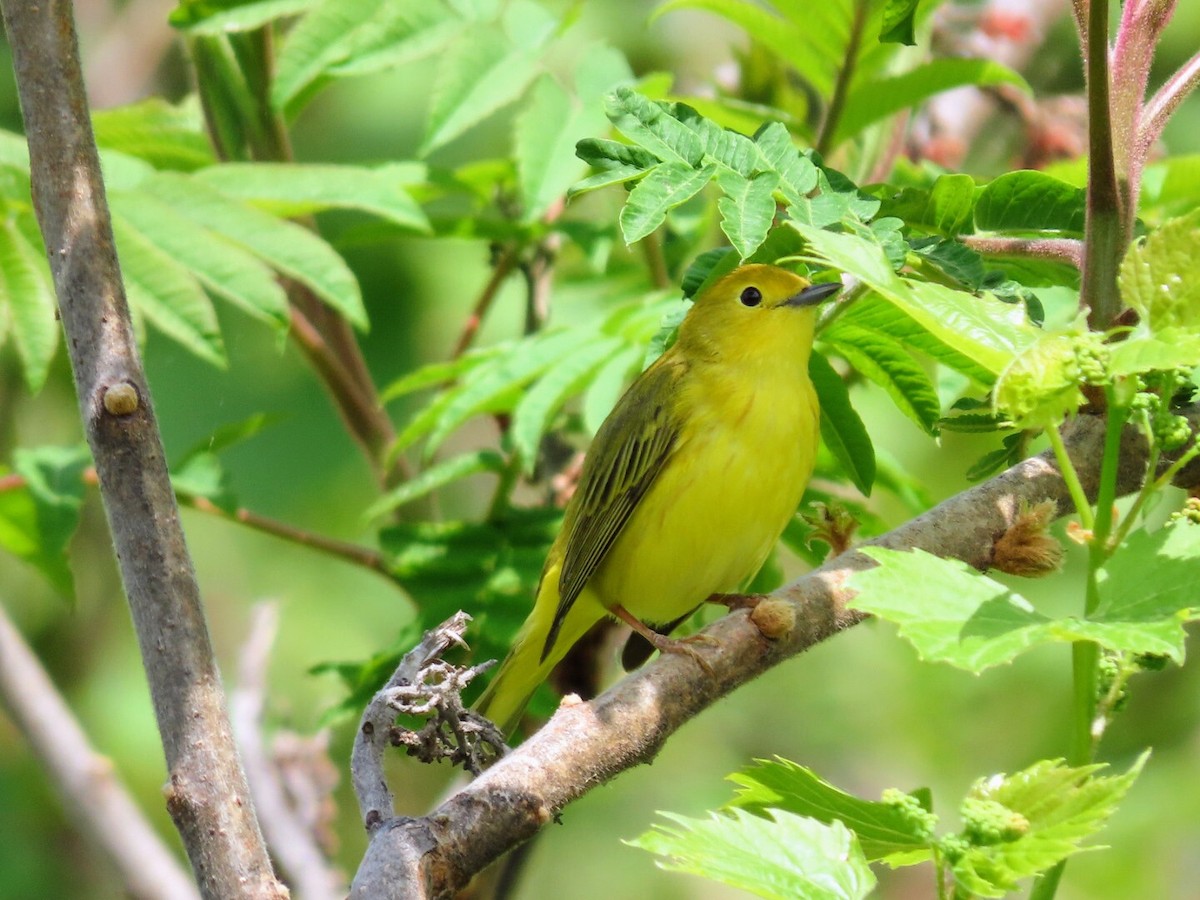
pixel 293 250
pixel 1169 348
pixel 652 125
pixel 797 174
pixel 168 295
pixel 883 829
pixel 320 39
pixel 478 74
pixel 789 858
pixel 220 265
pixel 289 190
pixel 842 431
pixel 1027 201
pixel 1160 276
pixel 1040 386
pixel 1052 808
pixel 663 189
pixel 546 396
pixel 747 209
pixel 983 329
pixel 403 32
pixel 873 99
pixel 38 520
pixel 28 296
pixel 435 477
pixel 889 365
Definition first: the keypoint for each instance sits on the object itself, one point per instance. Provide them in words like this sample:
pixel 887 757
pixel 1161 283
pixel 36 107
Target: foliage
pixel 614 194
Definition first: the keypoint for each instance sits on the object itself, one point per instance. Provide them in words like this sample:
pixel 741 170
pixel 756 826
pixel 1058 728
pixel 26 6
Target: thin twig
pixel 93 796
pixel 1065 250
pixel 365 557
pixel 1166 100
pixel 207 794
pixel 300 857
pixel 841 87
pixel 502 268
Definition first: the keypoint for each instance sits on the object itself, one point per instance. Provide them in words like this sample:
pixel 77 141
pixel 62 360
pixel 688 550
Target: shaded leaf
pixel 842 431
pixel 435 477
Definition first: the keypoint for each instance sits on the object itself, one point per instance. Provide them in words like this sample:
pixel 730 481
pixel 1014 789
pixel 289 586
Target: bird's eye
pixel 751 296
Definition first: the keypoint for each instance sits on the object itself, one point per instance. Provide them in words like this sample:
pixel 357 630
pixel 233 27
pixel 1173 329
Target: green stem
pixel 1047 883
pixel 1071 477
pixel 841 88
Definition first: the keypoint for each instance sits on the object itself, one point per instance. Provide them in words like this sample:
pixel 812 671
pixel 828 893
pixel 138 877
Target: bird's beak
pixel 813 294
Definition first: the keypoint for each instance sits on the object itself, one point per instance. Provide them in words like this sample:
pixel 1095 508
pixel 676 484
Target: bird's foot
pixel 664 644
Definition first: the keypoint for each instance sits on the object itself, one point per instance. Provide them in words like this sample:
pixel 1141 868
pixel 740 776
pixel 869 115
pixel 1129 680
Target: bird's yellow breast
pixel 715 511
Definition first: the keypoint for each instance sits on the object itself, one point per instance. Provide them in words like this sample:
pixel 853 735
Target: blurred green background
pixel 860 709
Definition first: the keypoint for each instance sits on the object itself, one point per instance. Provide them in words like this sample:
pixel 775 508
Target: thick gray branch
pixel 94 798
pixel 586 744
pixel 207 794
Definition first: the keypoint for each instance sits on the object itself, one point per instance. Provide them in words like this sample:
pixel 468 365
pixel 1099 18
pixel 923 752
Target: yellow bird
pixel 689 481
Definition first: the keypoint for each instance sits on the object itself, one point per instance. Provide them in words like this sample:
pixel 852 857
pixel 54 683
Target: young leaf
pixel 1022 824
pixel 1160 276
pixel 1040 386
pixel 438 476
pixel 842 430
pixel 37 521
pixel 893 828
pixel 789 858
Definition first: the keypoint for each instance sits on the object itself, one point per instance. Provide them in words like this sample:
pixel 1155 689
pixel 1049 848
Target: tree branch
pixel 207 795
pixel 586 744
pixel 94 798
pixel 1065 250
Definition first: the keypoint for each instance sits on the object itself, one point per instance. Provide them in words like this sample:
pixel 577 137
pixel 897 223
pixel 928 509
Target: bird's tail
pixel 524 669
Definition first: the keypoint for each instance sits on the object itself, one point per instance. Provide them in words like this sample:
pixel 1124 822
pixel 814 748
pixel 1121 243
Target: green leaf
pixel 1040 386
pixel 220 265
pixel 797 173
pixel 323 37
pixel 27 294
pixel 663 189
pixel 403 32
pixel 438 476
pixel 618 163
pixel 973 622
pixel 440 372
pixel 893 368
pixel 947 208
pixel 654 127
pixel 168 295
pixel 293 250
pixel 789 858
pixel 842 430
pixel 876 98
pixel 289 190
pixel 893 828
pixel 546 396
pixel 478 74
pixel 957 260
pixel 166 136
pixel 747 209
pixel 1028 201
pixel 986 331
pixel 1160 276
pixel 38 520
pixel 217 17
pixel 1022 824
pixel 1170 348
pixel 201 474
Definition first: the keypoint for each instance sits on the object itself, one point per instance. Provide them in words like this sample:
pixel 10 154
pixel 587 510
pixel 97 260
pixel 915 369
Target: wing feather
pixel 630 450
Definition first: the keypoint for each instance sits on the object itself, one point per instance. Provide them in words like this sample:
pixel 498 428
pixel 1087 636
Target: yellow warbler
pixel 689 482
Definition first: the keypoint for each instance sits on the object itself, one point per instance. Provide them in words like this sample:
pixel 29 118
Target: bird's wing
pixel 628 453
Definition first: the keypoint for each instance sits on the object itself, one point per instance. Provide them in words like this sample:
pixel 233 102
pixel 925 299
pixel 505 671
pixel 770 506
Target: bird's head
pixel 756 311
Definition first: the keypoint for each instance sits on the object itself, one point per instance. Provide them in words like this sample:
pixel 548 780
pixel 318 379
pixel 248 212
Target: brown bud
pixel 775 618
pixel 121 399
pixel 1025 549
